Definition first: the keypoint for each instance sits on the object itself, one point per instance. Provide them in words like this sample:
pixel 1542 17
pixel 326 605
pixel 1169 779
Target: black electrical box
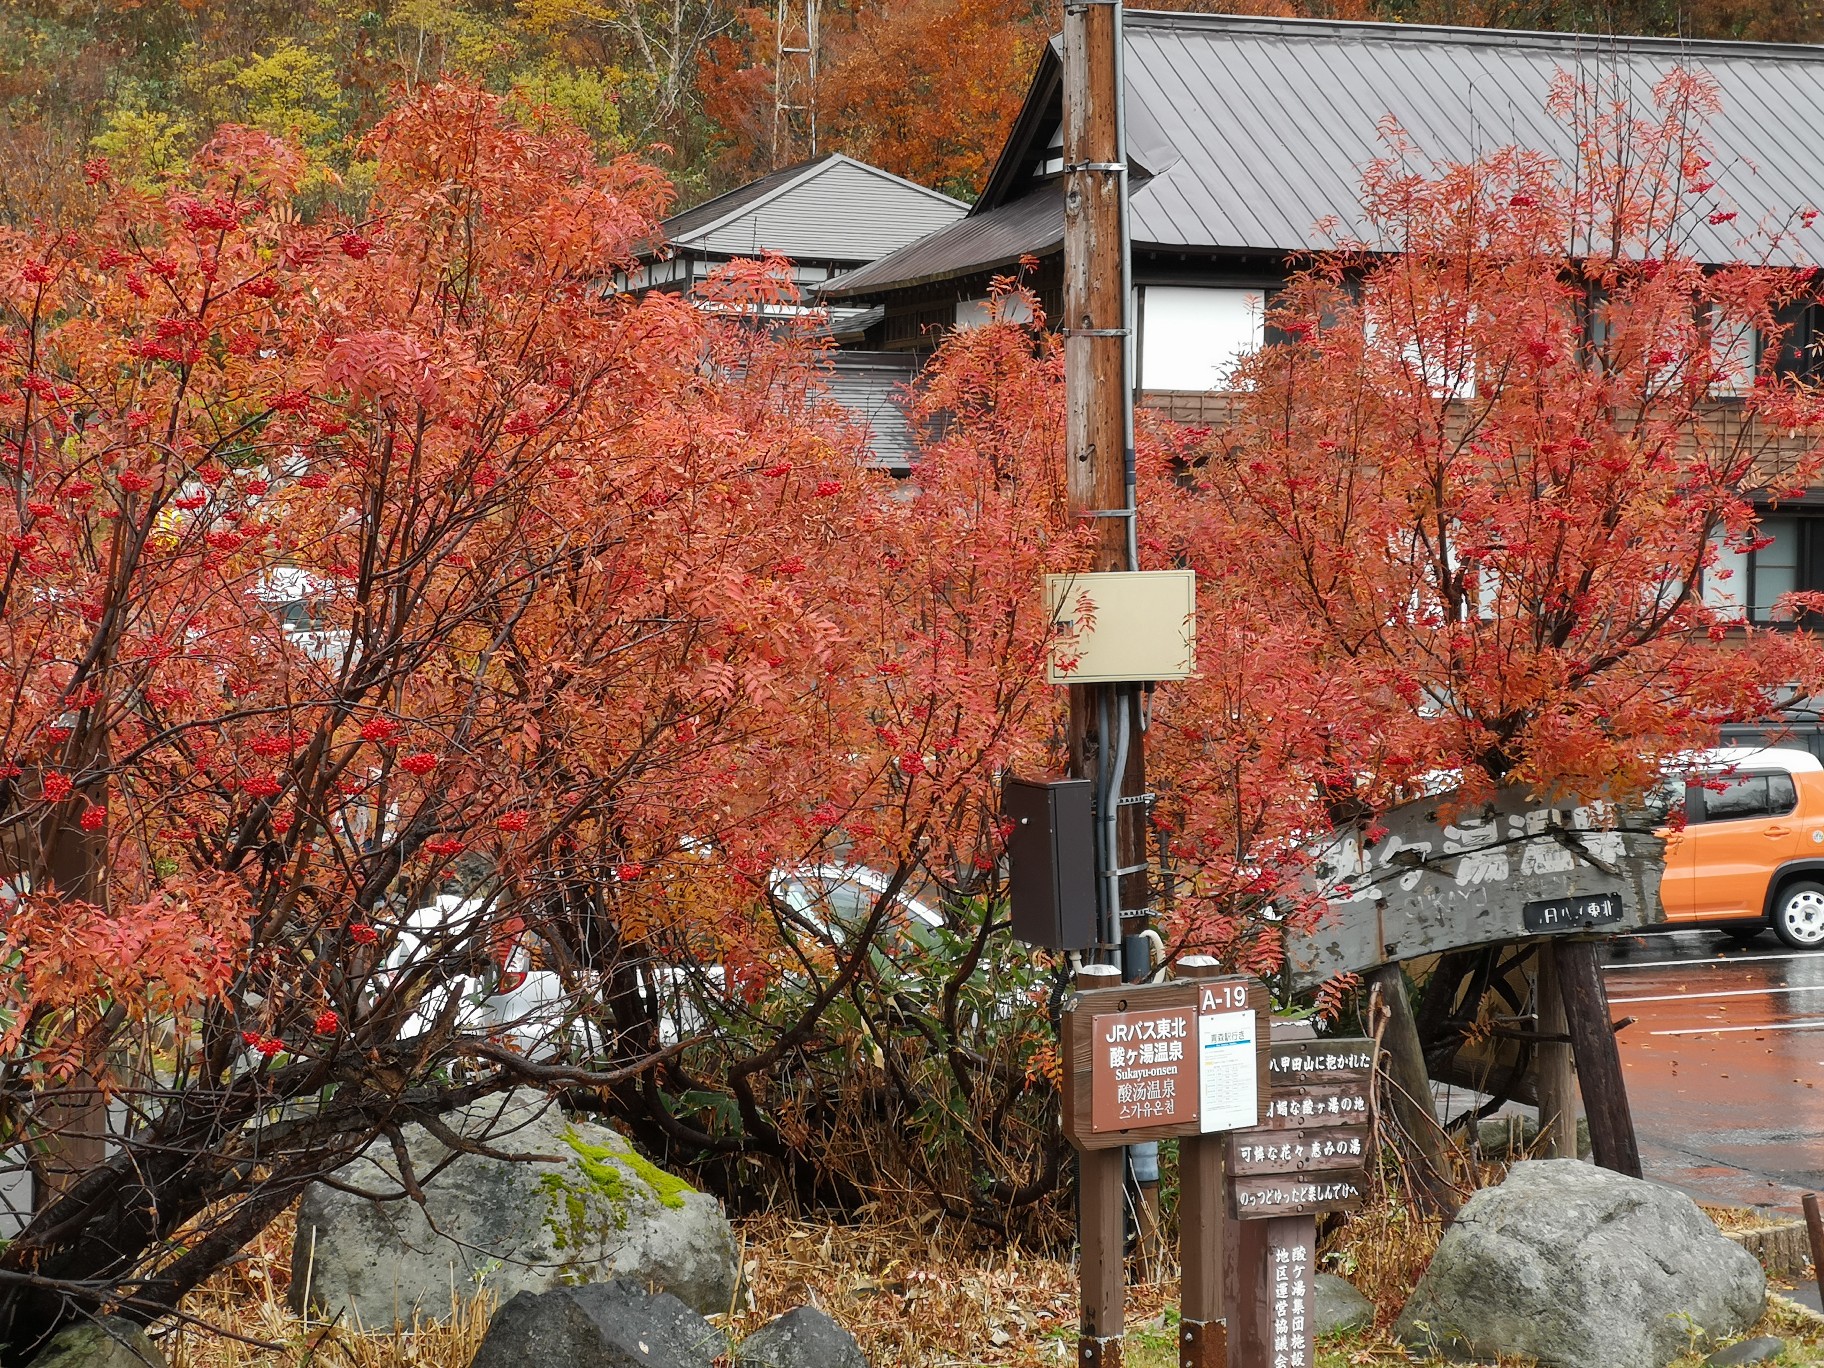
pixel 1051 861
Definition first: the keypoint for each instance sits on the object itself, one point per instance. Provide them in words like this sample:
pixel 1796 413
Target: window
pixel 1735 344
pixel 1735 353
pixel 1192 336
pixel 1739 796
pixel 1747 584
pixel 1802 343
pixel 978 313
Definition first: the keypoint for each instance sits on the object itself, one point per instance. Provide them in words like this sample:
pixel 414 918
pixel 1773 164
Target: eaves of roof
pixel 1033 226
pixel 1258 132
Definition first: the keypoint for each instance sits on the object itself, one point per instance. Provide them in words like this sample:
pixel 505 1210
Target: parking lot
pixel 1723 1063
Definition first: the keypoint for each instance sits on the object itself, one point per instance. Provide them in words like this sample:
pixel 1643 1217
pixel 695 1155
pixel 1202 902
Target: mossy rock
pixel 106 1343
pixel 576 1204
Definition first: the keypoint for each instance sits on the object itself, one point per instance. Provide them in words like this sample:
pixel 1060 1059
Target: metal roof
pixel 1270 122
pixel 872 387
pixel 1033 225
pixel 831 209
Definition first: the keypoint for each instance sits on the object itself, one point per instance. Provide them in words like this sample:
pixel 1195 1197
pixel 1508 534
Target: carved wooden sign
pixel 1423 879
pixel 1299 1151
pixel 1310 1152
pixel 1262 1196
pixel 1148 1061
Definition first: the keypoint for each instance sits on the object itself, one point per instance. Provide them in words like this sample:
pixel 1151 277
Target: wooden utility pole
pixel 1106 739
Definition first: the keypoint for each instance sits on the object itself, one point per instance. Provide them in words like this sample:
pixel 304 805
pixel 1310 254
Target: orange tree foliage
pixel 924 88
pixel 353 565
pixel 1470 502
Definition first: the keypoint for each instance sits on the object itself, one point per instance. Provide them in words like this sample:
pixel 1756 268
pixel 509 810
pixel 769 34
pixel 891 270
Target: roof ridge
pixel 1358 29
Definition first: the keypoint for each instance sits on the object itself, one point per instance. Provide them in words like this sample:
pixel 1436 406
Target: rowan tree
pixel 348 565
pixel 1477 498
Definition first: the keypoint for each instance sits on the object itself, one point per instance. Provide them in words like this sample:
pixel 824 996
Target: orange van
pixel 1751 851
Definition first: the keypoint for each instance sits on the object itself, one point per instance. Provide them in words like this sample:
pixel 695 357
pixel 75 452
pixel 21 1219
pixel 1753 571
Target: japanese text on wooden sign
pixel 1145 1069
pixel 1290 1284
pixel 1147 1061
pixel 1293 1194
pixel 1310 1151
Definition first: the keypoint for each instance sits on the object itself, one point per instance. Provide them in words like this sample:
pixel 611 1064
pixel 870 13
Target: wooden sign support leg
pixel 1605 1095
pixel 1250 1342
pixel 1204 1231
pixel 1101 1236
pixel 1424 1146
pixel 1557 1078
pixel 1272 1321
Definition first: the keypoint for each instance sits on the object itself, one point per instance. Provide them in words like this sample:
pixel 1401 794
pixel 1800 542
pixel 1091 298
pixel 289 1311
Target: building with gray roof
pixel 827 217
pixel 1247 139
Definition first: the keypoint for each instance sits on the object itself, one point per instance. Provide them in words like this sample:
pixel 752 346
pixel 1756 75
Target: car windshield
pixel 829 901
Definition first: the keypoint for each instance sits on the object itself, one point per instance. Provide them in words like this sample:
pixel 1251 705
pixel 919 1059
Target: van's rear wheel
pixel 1798 915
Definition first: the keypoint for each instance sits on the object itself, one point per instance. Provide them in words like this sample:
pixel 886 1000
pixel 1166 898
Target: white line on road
pixel 1723 1030
pixel 1725 992
pixel 1707 964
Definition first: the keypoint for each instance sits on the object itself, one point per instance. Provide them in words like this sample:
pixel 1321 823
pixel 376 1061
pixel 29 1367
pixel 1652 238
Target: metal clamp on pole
pixel 1115 168
pixel 1093 332
pixel 1106 513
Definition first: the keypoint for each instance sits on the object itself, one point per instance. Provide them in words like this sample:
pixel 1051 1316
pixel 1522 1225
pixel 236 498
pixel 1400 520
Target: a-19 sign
pixel 1147 1061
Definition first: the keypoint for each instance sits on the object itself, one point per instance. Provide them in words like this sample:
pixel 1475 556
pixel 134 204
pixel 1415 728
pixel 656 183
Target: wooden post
pixel 1101 1232
pixel 1096 398
pixel 1094 322
pixel 1243 1260
pixel 1605 1094
pixel 1814 1228
pixel 1205 1230
pixel 1407 1092
pixel 1273 1321
pixel 1557 1078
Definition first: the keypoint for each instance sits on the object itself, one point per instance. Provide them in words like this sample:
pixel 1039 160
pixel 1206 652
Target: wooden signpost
pixel 1269 1137
pixel 1308 1156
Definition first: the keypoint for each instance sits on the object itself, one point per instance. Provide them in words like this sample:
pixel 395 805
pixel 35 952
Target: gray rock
pixel 802 1338
pixel 105 1343
pixel 1576 1266
pixel 589 1209
pixel 1764 1349
pixel 1337 1308
pixel 598 1325
pixel 1512 1135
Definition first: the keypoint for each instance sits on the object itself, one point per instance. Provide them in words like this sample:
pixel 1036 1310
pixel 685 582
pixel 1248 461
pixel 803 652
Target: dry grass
pixel 246 1303
pixel 1733 1219
pixel 916 1295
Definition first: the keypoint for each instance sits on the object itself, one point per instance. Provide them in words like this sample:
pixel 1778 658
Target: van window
pixel 1750 795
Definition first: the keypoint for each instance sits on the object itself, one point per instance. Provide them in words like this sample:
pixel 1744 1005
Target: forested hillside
pixel 922 87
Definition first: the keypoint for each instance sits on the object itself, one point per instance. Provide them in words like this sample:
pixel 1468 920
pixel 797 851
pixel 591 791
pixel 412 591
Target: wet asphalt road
pixel 1724 1063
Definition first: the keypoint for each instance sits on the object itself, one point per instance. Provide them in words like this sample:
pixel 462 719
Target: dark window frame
pixel 1699 795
